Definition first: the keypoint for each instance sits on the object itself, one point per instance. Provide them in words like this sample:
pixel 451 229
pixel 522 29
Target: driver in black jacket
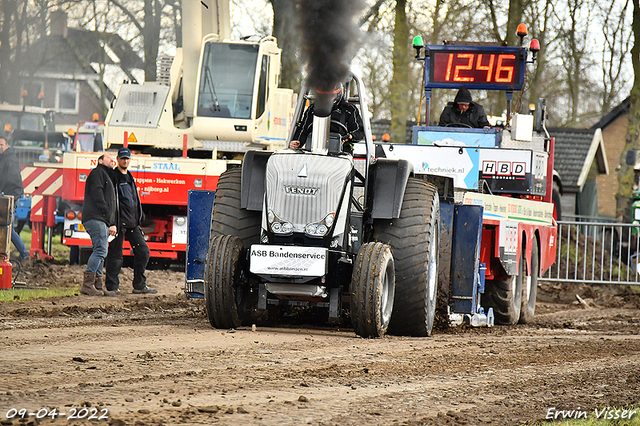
pixel 463 112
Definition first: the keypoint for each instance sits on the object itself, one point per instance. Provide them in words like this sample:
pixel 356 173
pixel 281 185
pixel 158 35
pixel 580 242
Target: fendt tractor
pixel 217 99
pixel 460 221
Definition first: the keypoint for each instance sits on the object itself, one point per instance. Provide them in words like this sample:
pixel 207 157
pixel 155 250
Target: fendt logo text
pixel 289 189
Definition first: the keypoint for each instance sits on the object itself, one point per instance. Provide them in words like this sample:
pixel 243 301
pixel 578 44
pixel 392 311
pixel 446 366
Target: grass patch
pixel 22 294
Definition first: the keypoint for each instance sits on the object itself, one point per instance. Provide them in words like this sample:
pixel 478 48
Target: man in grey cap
pixel 463 112
pixel 130 217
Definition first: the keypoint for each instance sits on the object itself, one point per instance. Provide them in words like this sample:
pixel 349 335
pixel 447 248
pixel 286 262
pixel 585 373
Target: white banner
pixel 288 260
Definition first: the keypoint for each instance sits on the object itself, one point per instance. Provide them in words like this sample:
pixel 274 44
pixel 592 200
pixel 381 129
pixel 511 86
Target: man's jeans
pixel 99 233
pixel 19 244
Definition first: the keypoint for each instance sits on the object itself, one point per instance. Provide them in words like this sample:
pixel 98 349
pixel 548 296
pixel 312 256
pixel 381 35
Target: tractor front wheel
pixel 373 289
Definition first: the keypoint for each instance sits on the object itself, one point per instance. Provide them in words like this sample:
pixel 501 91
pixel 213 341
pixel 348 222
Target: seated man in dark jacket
pixel 463 112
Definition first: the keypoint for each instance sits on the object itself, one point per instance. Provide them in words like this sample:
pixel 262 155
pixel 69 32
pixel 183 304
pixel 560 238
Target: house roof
pixel 75 52
pixel 574 153
pixel 621 109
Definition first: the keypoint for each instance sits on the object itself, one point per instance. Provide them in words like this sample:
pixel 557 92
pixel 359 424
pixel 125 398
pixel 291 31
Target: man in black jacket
pixel 463 112
pixel 99 220
pixel 129 219
pixel 11 184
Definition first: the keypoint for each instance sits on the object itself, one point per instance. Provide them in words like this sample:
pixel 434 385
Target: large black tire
pixel 530 285
pixel 225 289
pixel 372 290
pixel 413 238
pixel 227 217
pixel 505 297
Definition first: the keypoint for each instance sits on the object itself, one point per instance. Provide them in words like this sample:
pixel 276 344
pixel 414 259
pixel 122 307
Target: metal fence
pixel 596 253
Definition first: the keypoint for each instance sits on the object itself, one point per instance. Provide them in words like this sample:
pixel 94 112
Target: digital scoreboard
pixel 475 67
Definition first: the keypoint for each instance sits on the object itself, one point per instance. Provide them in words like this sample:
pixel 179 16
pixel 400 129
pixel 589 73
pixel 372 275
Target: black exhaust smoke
pixel 329 38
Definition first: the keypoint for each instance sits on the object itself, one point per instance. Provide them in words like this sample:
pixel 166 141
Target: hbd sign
pixel 504 168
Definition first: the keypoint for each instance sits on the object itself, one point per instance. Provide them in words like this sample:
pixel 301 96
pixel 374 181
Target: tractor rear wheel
pixel 530 285
pixel 228 218
pixel 413 238
pixel 226 290
pixel 372 290
pixel 505 297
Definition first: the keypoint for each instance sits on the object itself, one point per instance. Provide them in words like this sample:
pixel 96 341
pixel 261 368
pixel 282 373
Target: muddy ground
pixel 154 359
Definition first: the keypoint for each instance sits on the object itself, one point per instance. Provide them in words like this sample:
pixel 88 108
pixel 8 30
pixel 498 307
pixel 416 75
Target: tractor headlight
pixel 279 226
pixel 287 228
pixel 329 220
pixel 320 228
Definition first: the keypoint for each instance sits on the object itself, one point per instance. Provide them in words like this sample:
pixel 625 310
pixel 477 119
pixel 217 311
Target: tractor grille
pixel 302 200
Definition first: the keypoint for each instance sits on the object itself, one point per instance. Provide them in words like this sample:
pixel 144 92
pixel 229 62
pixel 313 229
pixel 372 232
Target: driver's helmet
pixel 336 93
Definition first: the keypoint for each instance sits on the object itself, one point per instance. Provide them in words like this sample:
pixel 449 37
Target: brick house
pixel 614 131
pixel 580 159
pixel 60 66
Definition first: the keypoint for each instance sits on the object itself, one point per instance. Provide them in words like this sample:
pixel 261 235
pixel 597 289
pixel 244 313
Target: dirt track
pixel 155 360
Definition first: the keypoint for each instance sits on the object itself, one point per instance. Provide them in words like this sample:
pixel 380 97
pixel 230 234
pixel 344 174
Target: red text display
pixel 475 68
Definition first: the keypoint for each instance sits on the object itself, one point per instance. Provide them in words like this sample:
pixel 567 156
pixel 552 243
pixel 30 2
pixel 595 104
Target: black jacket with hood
pixel 473 117
pixel 344 113
pixel 100 201
pixel 116 179
pixel 11 179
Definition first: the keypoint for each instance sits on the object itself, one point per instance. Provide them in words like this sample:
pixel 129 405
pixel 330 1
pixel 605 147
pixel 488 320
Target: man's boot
pixel 88 285
pixel 100 287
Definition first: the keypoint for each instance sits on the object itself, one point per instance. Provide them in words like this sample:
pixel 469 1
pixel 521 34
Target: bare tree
pixel 626 173
pixel 540 15
pixel 148 22
pixel 399 87
pixel 21 23
pixel 615 51
pixel 575 59
pixel 284 30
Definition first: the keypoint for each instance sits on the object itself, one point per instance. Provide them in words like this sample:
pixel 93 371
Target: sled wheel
pixel 413 238
pixel 228 218
pixel 555 198
pixel 505 297
pixel 530 285
pixel 372 290
pixel 225 289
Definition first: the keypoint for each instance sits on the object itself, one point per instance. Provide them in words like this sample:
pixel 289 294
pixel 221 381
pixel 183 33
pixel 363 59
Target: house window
pixel 33 88
pixel 67 96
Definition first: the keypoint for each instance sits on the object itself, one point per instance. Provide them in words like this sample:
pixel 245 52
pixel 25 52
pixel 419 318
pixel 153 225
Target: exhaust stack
pixel 320 134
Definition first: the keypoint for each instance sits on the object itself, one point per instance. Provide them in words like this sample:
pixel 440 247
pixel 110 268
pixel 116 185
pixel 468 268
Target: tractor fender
pixel 254 166
pixel 388 182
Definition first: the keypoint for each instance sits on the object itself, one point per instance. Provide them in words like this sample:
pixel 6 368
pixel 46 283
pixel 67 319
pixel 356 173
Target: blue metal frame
pixel 465 258
pixel 199 210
